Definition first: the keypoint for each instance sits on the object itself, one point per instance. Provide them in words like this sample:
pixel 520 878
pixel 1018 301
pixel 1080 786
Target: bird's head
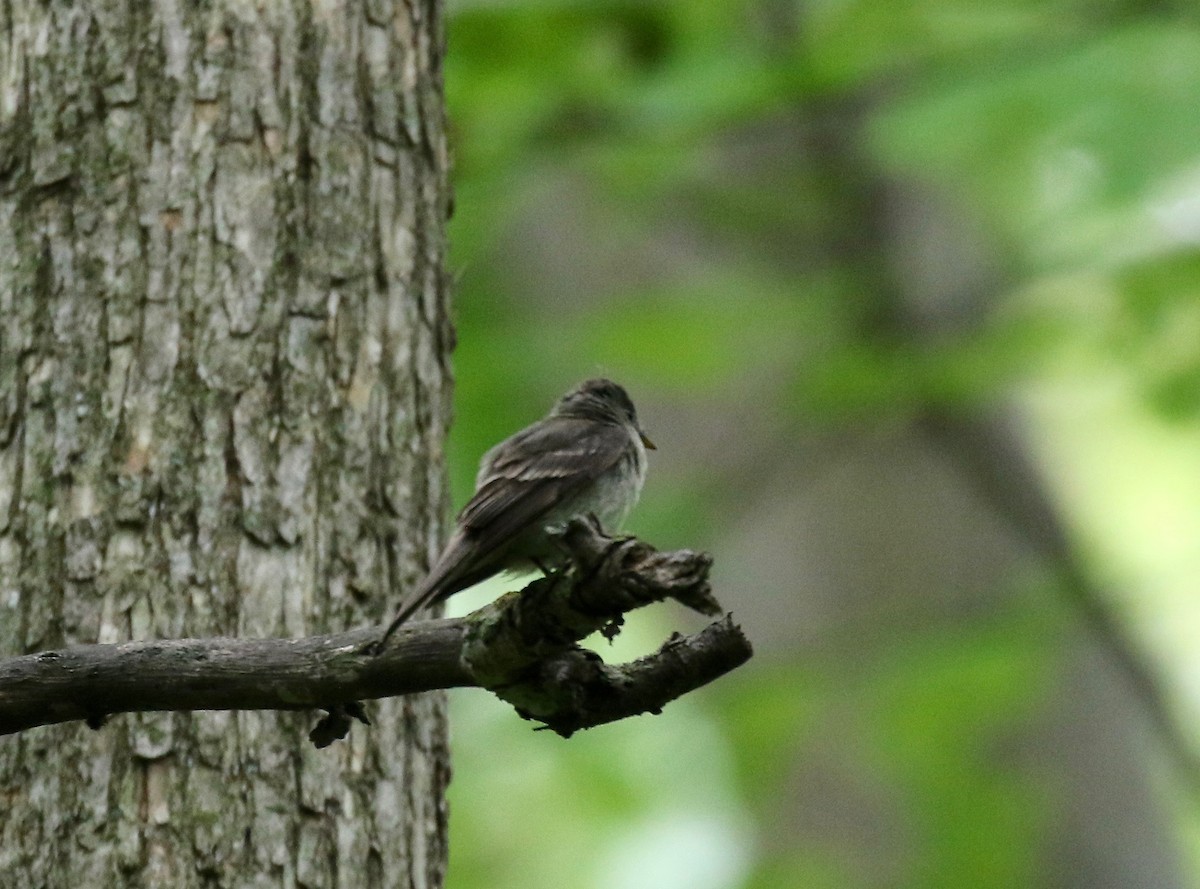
pixel 601 400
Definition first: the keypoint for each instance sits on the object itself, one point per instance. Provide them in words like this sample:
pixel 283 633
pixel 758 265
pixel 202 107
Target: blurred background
pixel 908 294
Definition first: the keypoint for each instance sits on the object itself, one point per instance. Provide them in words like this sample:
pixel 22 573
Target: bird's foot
pixel 336 723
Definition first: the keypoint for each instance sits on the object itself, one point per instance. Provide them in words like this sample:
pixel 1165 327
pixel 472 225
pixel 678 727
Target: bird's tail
pixel 418 599
pixel 454 570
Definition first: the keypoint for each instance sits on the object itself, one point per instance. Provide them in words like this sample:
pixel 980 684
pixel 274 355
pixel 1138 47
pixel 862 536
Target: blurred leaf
pixel 806 868
pixel 767 713
pixel 939 711
pixel 1054 141
pixel 1160 329
pixel 851 40
pixel 859 379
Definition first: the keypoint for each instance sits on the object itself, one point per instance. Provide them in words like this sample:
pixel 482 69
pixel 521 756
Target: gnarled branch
pixel 523 647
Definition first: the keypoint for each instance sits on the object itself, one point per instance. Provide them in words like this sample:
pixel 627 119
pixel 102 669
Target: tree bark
pixel 223 394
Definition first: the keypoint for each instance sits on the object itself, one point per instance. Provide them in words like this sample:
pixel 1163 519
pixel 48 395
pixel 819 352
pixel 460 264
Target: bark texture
pixel 223 394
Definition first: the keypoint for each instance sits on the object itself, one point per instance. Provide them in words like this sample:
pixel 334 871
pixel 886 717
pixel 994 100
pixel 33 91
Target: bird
pixel 587 455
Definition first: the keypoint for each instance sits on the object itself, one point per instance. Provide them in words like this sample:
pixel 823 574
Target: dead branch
pixel 523 647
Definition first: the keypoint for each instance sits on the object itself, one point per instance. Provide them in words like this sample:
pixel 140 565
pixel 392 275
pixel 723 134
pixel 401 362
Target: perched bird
pixel 588 455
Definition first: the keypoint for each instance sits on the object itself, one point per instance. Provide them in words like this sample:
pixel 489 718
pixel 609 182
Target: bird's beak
pixel 646 441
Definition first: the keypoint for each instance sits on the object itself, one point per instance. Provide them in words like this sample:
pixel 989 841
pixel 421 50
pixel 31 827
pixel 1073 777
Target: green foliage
pixel 971 817
pixel 852 42
pixel 1063 143
pixel 731 167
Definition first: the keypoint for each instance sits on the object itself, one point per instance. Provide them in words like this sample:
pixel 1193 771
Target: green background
pixel 907 293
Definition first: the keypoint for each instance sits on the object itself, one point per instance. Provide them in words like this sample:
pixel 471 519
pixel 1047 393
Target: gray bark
pixel 223 394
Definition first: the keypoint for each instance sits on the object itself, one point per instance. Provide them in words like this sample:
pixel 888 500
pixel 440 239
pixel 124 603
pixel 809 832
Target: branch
pixel 522 647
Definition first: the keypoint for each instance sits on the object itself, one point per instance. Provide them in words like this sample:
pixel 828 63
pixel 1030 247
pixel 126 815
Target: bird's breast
pixel 616 492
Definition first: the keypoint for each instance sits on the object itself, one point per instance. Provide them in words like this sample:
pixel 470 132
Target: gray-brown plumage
pixel 588 455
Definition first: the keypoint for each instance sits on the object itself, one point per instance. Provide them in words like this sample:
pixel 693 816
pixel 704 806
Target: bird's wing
pixel 526 476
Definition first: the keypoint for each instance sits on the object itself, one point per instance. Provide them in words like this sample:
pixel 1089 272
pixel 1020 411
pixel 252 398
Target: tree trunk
pixel 223 393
